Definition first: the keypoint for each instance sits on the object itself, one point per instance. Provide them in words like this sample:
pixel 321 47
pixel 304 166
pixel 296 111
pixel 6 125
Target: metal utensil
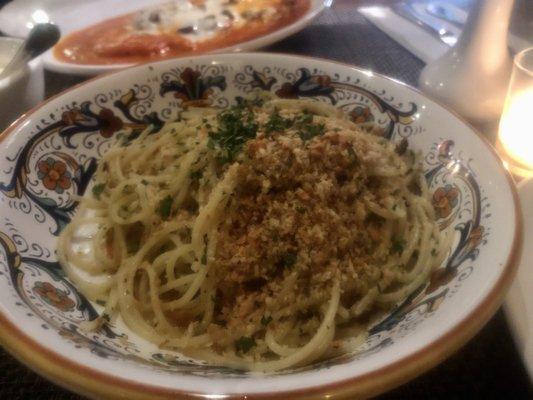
pixel 438 30
pixel 40 39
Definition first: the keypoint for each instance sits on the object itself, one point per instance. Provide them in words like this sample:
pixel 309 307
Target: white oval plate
pixel 97 11
pixel 41 311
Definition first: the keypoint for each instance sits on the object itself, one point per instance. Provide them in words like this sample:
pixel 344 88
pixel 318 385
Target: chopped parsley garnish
pixel 305 119
pixel 196 175
pixel 266 320
pixel 353 156
pixel 277 123
pixel 397 246
pixel 310 131
pixel 165 207
pixel 235 127
pixel 244 344
pixel 288 260
pixel 204 256
pixel 98 190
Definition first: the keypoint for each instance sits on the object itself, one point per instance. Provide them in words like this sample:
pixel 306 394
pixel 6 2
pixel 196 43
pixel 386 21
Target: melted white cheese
pixel 201 21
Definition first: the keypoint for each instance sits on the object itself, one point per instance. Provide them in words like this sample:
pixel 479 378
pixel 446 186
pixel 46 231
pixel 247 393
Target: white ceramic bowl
pixel 73 19
pixel 41 311
pixel 22 89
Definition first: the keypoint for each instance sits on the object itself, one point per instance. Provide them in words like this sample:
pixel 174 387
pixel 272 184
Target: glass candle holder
pixel 515 135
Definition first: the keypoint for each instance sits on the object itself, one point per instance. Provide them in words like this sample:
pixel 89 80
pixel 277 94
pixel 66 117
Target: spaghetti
pixel 260 237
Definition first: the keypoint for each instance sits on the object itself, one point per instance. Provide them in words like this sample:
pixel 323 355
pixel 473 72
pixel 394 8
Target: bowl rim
pixel 97 384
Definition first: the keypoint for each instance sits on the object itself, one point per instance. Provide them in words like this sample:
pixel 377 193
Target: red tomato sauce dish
pixel 177 28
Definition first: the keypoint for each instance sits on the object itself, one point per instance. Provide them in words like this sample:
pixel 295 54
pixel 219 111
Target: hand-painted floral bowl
pixel 50 154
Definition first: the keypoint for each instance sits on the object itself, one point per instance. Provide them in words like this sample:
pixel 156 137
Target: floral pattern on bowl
pixel 50 156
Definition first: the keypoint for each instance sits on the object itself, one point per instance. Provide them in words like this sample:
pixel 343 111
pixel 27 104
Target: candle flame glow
pixel 516 128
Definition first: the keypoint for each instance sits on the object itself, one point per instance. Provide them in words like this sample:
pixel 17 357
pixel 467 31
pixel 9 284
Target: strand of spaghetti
pixel 424 248
pixel 410 287
pixel 277 348
pixel 208 215
pixel 129 312
pixel 191 290
pixel 319 341
pixel 155 301
pixel 413 238
pixel 359 307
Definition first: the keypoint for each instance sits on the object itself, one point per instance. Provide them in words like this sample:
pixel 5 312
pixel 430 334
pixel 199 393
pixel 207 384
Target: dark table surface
pixel 488 367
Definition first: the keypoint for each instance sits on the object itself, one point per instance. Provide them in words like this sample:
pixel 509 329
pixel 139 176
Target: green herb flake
pixel 266 320
pixel 288 260
pixel 165 206
pixel 277 123
pixel 204 256
pixel 244 344
pixel 196 175
pixel 353 155
pixel 301 209
pixel 306 118
pixel 308 132
pixel 235 127
pixel 144 182
pixel 98 190
pixel 397 246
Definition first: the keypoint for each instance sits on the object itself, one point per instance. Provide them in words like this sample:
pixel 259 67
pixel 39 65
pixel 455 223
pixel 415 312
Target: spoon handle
pixel 40 39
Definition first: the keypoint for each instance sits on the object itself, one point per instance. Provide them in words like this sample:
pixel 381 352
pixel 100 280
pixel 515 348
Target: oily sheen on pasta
pixel 260 237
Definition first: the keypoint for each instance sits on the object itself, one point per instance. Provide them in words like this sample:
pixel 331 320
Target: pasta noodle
pixel 260 237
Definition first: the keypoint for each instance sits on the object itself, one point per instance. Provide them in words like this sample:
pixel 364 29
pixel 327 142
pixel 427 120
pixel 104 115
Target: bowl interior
pixel 471 195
